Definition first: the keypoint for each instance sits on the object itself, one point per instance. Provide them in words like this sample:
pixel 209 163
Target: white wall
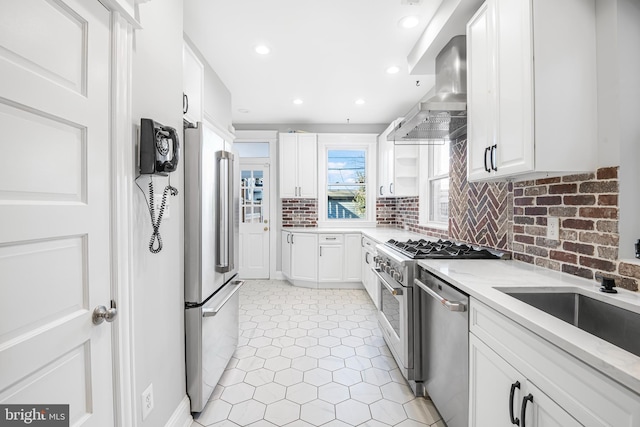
pixel 158 279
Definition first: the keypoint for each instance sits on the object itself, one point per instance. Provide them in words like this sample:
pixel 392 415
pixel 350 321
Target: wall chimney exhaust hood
pixel 443 114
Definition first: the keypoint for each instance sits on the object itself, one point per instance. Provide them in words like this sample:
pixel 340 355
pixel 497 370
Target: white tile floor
pixel 310 357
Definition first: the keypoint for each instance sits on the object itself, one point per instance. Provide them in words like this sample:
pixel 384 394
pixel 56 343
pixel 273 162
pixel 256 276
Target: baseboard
pixel 181 417
pixel 279 276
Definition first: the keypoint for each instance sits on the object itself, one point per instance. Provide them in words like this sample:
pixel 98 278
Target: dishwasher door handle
pixel 450 305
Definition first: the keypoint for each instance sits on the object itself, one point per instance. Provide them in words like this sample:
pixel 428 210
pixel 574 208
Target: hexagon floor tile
pixel 312 357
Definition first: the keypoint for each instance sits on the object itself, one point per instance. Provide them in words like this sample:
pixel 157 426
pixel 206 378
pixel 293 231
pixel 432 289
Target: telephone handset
pixel 159 155
pixel 159 148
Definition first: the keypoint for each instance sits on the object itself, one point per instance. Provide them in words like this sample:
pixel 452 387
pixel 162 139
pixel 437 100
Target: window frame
pixel 364 142
pixel 426 177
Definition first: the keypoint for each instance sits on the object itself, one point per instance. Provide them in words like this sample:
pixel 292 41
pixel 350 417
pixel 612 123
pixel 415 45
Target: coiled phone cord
pixel 155 236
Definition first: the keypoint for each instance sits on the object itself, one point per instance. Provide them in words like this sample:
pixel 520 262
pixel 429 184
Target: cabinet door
pixel 192 84
pixel 481 97
pixel 330 262
pixel 490 381
pixel 544 412
pixel 385 165
pixel 352 258
pixel 288 165
pixel 307 163
pixel 304 256
pixel 286 253
pixel 514 63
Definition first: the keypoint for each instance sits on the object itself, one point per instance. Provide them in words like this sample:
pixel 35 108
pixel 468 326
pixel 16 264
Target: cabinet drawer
pixel 588 395
pixel 368 243
pixel 330 239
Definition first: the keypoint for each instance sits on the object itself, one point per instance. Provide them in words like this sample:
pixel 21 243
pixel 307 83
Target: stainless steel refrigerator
pixel 211 260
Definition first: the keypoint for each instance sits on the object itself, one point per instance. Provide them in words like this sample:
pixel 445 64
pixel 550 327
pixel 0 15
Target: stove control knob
pixel 400 278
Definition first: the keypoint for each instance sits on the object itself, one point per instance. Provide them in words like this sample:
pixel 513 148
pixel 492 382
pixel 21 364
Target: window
pixel 434 185
pixel 346 171
pixel 346 184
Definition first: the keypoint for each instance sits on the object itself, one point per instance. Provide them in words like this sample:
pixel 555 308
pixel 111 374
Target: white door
pixel 54 207
pixel 255 227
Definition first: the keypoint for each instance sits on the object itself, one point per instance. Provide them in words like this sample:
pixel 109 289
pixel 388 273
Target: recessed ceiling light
pixel 409 22
pixel 297 101
pixel 393 69
pixel 359 101
pixel 243 110
pixel 262 49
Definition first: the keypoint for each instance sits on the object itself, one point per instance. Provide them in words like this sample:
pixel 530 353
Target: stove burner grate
pixel 444 249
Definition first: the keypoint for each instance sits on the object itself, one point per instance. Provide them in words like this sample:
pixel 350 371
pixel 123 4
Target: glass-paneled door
pixel 254 221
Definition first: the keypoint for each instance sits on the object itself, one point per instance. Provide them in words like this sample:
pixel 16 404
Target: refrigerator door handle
pixel 225 212
pixel 210 312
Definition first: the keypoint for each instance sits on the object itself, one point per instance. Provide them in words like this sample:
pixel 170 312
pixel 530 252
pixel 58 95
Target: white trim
pixel 126 11
pixel 366 142
pixel 226 134
pixel 181 417
pixel 123 174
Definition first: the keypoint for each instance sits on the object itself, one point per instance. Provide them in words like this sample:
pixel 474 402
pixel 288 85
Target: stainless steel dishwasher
pixel 441 360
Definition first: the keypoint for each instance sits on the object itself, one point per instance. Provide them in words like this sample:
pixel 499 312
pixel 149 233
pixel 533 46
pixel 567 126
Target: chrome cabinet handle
pixel 210 312
pixel 381 189
pixel 394 291
pixel 102 313
pixel 450 305
pixel 391 188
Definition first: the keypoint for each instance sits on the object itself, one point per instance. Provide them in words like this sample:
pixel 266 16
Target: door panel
pixel 255 227
pixel 55 257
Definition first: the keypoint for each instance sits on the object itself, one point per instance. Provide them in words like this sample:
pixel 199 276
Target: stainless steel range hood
pixel 443 113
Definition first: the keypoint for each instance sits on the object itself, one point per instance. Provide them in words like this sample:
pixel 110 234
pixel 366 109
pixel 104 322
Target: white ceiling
pixel 329 53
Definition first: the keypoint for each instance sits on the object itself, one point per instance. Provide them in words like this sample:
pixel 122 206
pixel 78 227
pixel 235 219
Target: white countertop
pixel 379 234
pixel 480 278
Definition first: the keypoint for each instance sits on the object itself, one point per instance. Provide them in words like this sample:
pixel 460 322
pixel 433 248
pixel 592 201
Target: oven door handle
pixel 394 291
pixel 450 305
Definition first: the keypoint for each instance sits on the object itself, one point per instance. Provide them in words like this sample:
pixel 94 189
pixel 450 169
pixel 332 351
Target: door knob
pixel 102 313
pixel 266 229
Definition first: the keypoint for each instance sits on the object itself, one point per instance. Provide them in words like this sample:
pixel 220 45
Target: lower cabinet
pixel 322 260
pixel 518 378
pixel 503 397
pixel 369 279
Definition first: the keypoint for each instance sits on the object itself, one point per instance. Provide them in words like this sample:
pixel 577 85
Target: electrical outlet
pixel 553 228
pixel 147 401
pixel 157 202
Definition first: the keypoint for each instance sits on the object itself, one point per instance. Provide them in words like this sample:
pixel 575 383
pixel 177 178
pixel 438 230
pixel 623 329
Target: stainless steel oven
pixel 394 317
pixel 394 274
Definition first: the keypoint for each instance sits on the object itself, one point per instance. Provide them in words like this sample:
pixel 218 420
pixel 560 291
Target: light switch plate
pixel 553 228
pixel 147 401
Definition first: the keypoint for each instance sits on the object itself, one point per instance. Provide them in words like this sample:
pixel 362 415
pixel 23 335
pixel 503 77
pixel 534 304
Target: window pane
pixel 439 203
pixel 346 179
pixel 346 201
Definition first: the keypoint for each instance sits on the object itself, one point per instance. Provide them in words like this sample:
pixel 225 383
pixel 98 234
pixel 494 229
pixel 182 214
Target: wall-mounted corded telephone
pixel 159 155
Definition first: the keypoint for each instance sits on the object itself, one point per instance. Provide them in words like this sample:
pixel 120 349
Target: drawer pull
pixel 523 411
pixel 514 386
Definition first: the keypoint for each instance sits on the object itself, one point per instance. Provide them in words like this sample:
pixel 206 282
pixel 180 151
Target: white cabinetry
pixel 558 389
pixel 397 167
pixel 322 260
pixel 192 85
pixel 298 165
pixel 331 258
pixel 527 118
pixel 369 279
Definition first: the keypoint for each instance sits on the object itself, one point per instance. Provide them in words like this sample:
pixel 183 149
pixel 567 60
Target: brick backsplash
pixel 587 208
pixel 386 211
pixel 299 212
pixel 407 216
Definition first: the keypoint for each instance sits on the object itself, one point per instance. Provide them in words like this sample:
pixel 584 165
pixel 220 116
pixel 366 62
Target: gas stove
pixel 441 249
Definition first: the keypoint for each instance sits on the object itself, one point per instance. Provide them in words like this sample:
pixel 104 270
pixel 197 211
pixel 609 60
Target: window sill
pixel 435 225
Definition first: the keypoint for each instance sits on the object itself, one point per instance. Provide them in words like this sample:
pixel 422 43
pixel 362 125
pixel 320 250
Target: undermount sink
pixel 616 325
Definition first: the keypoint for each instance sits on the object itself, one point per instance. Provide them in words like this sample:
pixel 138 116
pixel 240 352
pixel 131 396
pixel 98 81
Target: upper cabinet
pixel 192 84
pixel 397 167
pixel 531 118
pixel 298 165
